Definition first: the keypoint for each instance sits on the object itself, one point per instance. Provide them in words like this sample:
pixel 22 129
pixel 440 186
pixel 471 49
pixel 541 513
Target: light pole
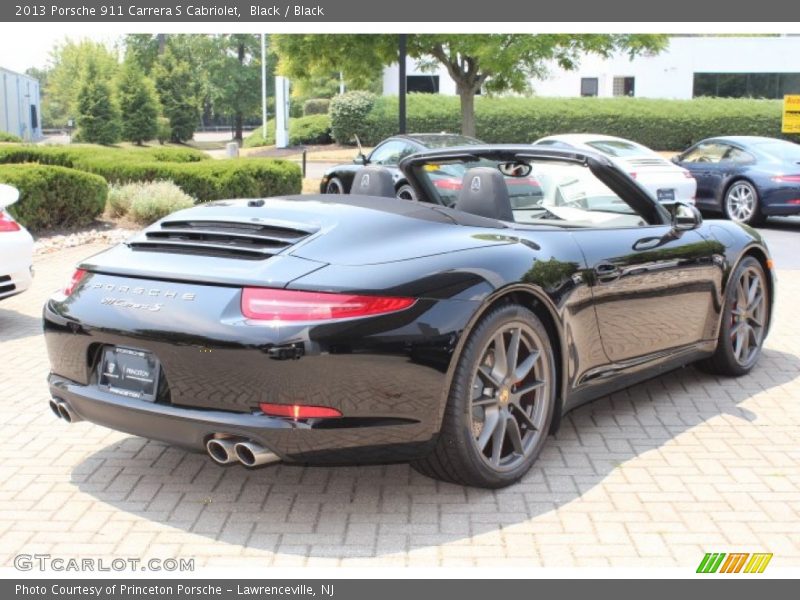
pixel 402 82
pixel 264 85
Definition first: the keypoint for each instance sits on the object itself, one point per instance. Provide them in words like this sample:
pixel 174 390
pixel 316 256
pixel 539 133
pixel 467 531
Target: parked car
pixel 666 181
pixel 747 178
pixel 16 248
pixel 361 329
pixel 388 154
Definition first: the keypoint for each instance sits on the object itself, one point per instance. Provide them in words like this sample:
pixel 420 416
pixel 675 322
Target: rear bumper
pixel 334 441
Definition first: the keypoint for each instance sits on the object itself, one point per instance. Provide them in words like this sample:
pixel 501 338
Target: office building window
pixel 424 84
pixel 589 86
pixel 746 85
pixel 624 86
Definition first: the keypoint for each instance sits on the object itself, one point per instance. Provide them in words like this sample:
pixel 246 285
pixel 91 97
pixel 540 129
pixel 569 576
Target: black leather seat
pixel 373 181
pixel 484 193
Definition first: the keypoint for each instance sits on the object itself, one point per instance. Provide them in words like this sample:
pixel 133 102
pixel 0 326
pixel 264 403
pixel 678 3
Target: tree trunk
pixel 467 96
pixel 237 120
pixel 238 117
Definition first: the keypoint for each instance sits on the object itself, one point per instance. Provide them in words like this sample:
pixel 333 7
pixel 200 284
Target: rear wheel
pixel 335 186
pixel 741 203
pixel 500 404
pixel 744 321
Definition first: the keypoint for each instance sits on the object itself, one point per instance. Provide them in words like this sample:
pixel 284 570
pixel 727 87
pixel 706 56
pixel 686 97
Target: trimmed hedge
pixel 9 137
pixel 659 124
pixel 350 113
pixel 192 171
pixel 314 129
pixel 316 106
pixel 53 196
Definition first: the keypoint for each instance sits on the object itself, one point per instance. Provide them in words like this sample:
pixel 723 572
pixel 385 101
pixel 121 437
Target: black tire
pixel 334 186
pixel 732 357
pixel 742 204
pixel 406 192
pixel 482 404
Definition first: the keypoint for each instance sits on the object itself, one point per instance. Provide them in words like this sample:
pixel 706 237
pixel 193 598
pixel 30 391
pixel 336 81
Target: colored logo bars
pixel 741 562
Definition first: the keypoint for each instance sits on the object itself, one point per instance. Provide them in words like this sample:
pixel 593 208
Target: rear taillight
pixel 76 278
pixel 299 411
pixel 267 304
pixel 786 178
pixel 633 175
pixel 688 175
pixel 7 223
pixel 447 184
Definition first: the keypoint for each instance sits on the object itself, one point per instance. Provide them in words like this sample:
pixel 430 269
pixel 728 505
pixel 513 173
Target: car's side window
pixel 390 153
pixel 709 152
pixel 738 156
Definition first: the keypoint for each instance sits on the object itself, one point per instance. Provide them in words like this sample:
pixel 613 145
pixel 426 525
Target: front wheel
pixel 334 186
pixel 405 192
pixel 741 203
pixel 744 321
pixel 500 404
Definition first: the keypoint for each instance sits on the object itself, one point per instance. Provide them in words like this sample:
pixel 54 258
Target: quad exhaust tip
pixel 227 450
pixel 251 454
pixel 63 411
pixel 221 451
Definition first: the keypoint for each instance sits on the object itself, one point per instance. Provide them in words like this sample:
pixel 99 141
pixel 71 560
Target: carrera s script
pixel 452 331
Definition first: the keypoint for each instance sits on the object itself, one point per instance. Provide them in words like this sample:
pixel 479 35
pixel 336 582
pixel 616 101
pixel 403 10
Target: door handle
pixel 606 272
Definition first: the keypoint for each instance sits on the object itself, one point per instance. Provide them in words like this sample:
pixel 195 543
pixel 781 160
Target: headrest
pixel 373 181
pixel 484 193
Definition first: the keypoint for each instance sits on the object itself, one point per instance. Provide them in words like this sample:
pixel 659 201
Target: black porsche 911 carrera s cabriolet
pixel 453 333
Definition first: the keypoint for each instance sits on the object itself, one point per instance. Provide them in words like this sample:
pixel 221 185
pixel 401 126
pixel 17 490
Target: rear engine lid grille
pixel 249 240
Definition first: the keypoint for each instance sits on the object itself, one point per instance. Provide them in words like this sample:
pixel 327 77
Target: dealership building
pixel 20 108
pixel 759 67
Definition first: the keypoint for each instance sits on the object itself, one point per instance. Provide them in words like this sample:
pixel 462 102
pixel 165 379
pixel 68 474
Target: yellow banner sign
pixel 791 114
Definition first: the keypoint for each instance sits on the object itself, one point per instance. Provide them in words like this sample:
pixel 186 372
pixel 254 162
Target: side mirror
pixel 676 159
pixel 360 159
pixel 685 217
pixel 8 195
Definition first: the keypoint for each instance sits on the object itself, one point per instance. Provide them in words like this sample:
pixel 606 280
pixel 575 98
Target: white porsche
pixel 16 248
pixel 666 181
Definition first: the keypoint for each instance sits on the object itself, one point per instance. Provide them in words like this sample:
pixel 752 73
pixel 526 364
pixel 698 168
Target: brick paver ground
pixel 655 475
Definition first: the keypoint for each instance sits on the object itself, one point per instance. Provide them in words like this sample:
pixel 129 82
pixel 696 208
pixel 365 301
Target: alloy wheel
pixel 741 202
pixel 334 187
pixel 748 316
pixel 510 388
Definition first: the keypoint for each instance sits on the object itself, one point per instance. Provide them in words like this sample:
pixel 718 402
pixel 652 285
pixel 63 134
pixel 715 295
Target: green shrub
pixel 148 202
pixel 314 129
pixel 316 106
pixel 52 196
pixel 659 124
pixel 8 137
pixel 349 114
pixel 189 169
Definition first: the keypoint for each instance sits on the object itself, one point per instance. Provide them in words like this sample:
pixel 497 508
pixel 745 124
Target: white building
pixel 20 108
pixel 766 67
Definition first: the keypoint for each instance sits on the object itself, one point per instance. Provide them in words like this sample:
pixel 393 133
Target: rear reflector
pixel 299 411
pixel 288 305
pixel 74 281
pixel 7 223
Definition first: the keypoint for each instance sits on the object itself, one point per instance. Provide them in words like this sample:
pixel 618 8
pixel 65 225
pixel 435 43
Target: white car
pixel 665 180
pixel 16 248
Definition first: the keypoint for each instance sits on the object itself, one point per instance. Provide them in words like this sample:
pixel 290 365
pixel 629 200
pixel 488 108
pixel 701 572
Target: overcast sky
pixel 19 49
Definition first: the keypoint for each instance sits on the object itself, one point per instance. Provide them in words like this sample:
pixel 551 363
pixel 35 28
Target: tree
pixel 236 78
pixel 98 115
pixel 173 78
pixel 494 62
pixel 67 63
pixel 138 103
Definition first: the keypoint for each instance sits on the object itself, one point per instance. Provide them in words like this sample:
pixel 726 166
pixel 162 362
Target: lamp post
pixel 402 83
